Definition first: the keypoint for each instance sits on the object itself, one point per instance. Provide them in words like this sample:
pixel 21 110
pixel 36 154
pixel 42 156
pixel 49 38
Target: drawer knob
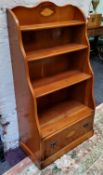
pixel 86 125
pixel 53 144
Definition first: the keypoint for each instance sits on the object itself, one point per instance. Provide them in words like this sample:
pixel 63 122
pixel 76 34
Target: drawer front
pixel 63 138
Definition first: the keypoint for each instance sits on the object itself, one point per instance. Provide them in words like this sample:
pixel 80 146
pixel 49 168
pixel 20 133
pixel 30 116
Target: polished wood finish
pixel 53 79
pixel 95 31
pixel 58 50
pixel 51 25
pixel 47 85
pixel 61 116
pixel 67 148
pixel 67 135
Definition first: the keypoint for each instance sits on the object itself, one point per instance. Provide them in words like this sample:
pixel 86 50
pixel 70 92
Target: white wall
pixel 100 7
pixel 8 113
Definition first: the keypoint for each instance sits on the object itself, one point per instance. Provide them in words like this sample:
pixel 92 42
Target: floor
pixel 97 66
pixel 11 158
pixel 14 156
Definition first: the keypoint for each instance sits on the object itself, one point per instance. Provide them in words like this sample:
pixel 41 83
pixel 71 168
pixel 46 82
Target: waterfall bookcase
pixel 53 79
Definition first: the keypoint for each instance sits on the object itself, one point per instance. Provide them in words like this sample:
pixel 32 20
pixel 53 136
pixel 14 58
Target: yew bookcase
pixel 53 79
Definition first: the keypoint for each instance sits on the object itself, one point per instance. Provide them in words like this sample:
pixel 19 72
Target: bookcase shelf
pixel 48 85
pixel 53 79
pixel 45 53
pixel 62 115
pixel 51 25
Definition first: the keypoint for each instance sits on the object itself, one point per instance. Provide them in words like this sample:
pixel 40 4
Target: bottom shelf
pixel 61 115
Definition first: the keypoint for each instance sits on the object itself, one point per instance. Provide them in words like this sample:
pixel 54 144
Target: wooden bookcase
pixel 53 79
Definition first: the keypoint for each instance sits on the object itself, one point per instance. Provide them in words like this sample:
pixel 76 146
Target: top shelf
pixel 51 25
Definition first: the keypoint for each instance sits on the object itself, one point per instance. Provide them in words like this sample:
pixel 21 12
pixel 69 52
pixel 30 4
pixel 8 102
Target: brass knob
pixel 53 144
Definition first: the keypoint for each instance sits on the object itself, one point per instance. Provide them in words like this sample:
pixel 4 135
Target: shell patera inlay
pixel 47 12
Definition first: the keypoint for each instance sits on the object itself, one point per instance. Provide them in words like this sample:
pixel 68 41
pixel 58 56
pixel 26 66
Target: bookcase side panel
pixel 26 103
pixel 88 69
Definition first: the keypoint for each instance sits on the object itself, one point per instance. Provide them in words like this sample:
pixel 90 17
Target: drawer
pixel 66 136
